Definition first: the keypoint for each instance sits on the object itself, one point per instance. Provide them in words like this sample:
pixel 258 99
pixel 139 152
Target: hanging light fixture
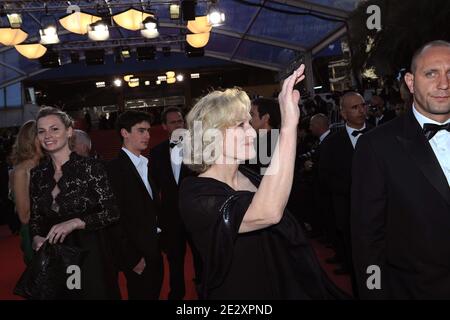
pixel 170 74
pixel 131 19
pixel 31 51
pixel 11 37
pixel 78 22
pixel 128 77
pixel 98 31
pixel 199 25
pixel 198 40
pixel 171 80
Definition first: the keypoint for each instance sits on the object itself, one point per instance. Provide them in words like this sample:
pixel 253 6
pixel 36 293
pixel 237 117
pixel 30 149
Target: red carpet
pixel 12 266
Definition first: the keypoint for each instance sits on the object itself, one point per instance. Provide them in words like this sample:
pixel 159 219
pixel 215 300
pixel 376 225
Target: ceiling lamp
pixel 180 77
pixel 149 27
pixel 174 10
pixel 11 37
pixel 199 25
pixel 78 22
pixel 171 80
pixel 49 30
pixel 170 74
pixel 131 19
pixel 198 40
pixel 31 51
pixel 98 31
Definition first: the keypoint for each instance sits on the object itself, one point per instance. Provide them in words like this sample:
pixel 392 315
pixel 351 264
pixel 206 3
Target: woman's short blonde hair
pixel 24 147
pixel 217 110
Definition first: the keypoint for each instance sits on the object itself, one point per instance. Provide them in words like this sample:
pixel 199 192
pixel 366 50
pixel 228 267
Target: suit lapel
pixel 417 146
pixel 126 160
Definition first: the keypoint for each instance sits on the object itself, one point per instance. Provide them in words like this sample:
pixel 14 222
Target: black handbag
pixel 46 277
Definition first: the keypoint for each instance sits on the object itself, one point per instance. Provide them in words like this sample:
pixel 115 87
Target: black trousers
pixel 146 286
pixel 175 250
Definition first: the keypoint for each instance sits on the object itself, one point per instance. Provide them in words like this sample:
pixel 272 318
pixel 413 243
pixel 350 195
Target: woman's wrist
pixel 78 223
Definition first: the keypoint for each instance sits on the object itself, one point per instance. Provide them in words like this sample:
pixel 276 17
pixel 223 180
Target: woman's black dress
pixel 273 263
pixel 85 193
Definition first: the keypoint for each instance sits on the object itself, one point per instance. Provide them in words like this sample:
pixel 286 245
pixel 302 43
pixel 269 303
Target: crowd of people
pixel 271 175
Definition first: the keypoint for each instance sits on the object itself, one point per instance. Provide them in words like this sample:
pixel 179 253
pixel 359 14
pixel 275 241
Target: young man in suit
pixel 167 170
pixel 401 194
pixel 335 173
pixel 137 197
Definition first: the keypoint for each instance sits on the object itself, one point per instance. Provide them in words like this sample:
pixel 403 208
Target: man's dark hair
pixel 167 111
pixel 418 53
pixel 271 107
pixel 130 118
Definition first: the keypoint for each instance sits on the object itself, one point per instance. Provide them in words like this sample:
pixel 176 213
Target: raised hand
pixel 289 99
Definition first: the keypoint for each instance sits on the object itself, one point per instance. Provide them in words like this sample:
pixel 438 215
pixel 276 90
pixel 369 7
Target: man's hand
pixel 139 268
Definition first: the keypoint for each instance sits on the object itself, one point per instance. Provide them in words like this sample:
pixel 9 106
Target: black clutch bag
pixel 46 277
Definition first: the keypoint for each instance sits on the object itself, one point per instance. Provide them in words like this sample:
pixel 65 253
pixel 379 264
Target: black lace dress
pixel 272 263
pixel 85 193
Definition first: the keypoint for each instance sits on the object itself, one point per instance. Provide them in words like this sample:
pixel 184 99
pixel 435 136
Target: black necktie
pixel 355 133
pixel 430 129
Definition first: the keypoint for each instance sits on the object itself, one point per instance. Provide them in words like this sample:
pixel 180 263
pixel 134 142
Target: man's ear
pixel 343 114
pixel 124 133
pixel 409 80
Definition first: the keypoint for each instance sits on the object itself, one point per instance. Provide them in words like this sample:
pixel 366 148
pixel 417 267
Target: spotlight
pixel 215 16
pixel 95 57
pixel 166 51
pixel 188 9
pixel 147 83
pixel 98 31
pixel 15 20
pixel 145 53
pixel 180 77
pixel 174 10
pixel 117 82
pixel 50 59
pixel 195 75
pixel 192 52
pixel 125 52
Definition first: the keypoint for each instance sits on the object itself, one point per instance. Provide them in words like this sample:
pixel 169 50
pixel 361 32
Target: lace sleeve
pixel 36 218
pixel 101 190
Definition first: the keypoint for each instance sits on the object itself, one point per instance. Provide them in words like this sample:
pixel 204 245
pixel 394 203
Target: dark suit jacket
pixel 161 172
pixel 136 235
pixel 335 173
pixel 388 115
pixel 401 213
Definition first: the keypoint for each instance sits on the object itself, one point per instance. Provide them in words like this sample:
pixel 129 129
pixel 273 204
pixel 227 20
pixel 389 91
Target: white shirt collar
pixel 422 119
pixel 324 135
pixel 134 158
pixel 350 130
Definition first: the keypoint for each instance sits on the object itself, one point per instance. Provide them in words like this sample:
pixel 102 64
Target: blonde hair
pixel 24 147
pixel 217 110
